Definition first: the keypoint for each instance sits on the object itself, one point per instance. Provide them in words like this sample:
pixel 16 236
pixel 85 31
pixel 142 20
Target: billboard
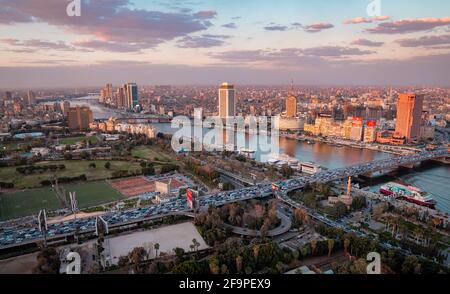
pixel 371 123
pixel 190 198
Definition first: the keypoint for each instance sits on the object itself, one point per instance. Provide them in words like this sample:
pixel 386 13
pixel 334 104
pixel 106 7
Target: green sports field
pixel 74 140
pixel 73 168
pixel 150 153
pixel 28 202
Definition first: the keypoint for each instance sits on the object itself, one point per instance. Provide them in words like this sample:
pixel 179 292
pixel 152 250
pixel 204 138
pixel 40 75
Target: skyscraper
pixel 227 106
pixel 291 103
pixel 409 113
pixel 120 95
pixel 31 98
pixel 291 106
pixel 109 91
pixel 131 95
pixel 79 118
pixel 8 95
pixel 65 108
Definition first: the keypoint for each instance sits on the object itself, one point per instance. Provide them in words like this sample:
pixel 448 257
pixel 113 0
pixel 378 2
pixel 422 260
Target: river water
pixel 434 178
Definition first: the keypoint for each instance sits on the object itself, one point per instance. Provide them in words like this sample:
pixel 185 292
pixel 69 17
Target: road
pixel 284 227
pixel 15 236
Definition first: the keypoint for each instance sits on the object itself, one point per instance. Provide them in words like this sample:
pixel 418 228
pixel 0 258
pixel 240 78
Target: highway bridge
pixel 364 168
pixel 138 215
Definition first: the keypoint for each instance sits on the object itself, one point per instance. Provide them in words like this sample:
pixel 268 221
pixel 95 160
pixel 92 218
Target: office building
pixel 409 116
pixel 356 133
pixel 291 106
pixel 198 113
pixel 370 132
pixel 65 108
pixel 79 118
pixel 120 96
pixel 227 105
pixel 131 95
pixel 8 95
pixel 31 98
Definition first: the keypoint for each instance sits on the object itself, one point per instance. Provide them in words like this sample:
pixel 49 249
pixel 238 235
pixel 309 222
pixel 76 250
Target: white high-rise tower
pixel 227 105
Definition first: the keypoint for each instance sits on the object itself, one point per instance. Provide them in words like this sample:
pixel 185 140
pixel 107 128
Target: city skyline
pixel 320 43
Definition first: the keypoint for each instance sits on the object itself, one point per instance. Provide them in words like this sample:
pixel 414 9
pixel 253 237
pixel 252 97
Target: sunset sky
pixel 207 42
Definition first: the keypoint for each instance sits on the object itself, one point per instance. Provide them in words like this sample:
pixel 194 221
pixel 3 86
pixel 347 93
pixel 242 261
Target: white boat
pixel 310 168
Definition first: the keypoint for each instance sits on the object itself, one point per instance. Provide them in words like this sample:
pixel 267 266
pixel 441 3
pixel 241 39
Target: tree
pixel 224 269
pixel 346 244
pixel 148 170
pixel 313 246
pixel 123 261
pixel 300 216
pixel 286 171
pixel 48 261
pixel 310 200
pixel 156 246
pixel 108 165
pixel 84 155
pixel 330 246
pixel 188 267
pixel 359 266
pixel 214 265
pixel 179 252
pixel 196 244
pixel 358 202
pixel 238 263
pixel 411 265
pixel 137 256
pixel 256 252
pixel 92 165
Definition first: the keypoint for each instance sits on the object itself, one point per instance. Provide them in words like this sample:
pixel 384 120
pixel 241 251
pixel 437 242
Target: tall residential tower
pixel 409 114
pixel 227 105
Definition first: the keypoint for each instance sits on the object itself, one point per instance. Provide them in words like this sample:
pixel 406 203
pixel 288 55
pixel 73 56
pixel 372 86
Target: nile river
pixel 433 178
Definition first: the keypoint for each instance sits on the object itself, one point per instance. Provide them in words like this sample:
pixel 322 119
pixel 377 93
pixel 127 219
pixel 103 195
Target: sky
pixel 320 42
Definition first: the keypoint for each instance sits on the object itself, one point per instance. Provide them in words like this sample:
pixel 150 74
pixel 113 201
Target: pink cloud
pixel 318 26
pixel 409 25
pixel 359 20
pixel 109 20
pixel 206 14
pixel 365 42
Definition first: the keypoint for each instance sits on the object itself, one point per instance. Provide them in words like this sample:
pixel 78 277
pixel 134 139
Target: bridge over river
pixel 15 237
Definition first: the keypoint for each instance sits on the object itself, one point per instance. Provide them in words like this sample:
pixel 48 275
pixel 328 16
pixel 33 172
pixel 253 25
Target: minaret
pixel 347 197
pixel 349 186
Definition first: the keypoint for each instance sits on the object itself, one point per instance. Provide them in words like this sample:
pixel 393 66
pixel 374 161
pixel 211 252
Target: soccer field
pixel 13 205
pixel 93 193
pixel 28 202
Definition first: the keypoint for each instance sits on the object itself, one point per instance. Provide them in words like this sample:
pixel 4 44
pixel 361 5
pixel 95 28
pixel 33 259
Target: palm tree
pixel 313 246
pixel 156 246
pixel 403 229
pixel 346 244
pixel 196 244
pixel 330 246
pixel 238 263
pixel 256 252
pixel 214 265
pixel 436 221
pixel 388 221
pixel 395 223
pixel 418 233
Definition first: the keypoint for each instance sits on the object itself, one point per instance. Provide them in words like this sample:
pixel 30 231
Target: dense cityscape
pixel 229 177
